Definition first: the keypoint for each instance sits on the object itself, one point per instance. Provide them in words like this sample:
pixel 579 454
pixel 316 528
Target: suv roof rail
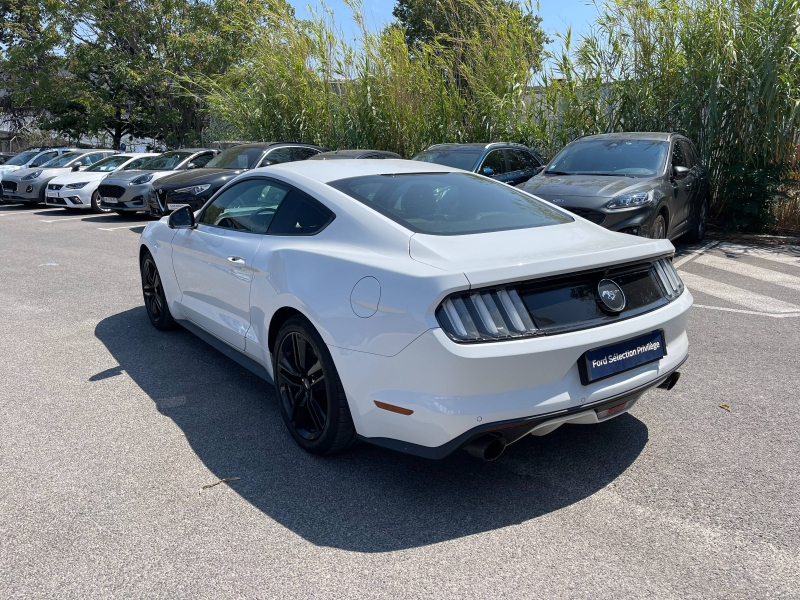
pixel 491 144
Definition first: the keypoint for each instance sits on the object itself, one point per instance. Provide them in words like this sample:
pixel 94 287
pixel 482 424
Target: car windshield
pixel 450 203
pixel 610 157
pixel 458 159
pixel 108 164
pixel 21 159
pixel 60 161
pixel 237 157
pixel 166 162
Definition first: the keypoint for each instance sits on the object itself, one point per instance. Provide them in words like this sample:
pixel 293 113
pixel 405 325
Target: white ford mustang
pixel 418 307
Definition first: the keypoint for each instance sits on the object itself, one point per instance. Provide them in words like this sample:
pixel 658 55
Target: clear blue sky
pixel 556 15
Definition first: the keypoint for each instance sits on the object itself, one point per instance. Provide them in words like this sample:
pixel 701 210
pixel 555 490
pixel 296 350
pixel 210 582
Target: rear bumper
pixel 453 389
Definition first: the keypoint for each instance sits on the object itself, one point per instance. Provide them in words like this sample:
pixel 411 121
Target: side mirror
pixel 488 171
pixel 679 172
pixel 183 218
pixel 77 166
pixel 191 166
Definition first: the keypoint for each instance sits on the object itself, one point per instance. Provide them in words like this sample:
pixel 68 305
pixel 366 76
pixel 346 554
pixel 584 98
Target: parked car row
pixel 645 184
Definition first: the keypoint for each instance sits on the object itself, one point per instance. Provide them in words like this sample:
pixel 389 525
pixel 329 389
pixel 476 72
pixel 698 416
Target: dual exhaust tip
pixel 491 446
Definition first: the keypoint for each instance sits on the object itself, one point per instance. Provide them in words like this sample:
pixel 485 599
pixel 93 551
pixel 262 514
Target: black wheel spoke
pixel 300 352
pixel 318 416
pixel 287 368
pixel 296 404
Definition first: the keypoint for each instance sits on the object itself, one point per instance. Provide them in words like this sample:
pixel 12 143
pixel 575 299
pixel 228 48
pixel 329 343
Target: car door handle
pixel 237 260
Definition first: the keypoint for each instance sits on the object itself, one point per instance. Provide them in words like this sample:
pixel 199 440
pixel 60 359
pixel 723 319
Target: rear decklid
pixel 516 255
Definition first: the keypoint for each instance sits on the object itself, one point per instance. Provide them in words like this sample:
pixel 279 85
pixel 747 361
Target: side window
pixel 277 156
pixel 300 215
pixel 90 159
pixel 519 160
pixel 135 164
pixel 688 154
pixel 495 161
pixel 678 159
pixel 303 153
pixel 44 158
pixel 202 160
pixel 249 205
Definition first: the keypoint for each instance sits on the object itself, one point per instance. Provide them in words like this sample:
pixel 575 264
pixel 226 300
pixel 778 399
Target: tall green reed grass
pixel 724 72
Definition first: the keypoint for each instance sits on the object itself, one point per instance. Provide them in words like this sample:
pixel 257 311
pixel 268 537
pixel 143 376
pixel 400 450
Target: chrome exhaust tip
pixel 488 447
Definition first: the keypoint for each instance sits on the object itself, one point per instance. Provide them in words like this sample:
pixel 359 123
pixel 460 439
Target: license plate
pixel 620 357
pixel 175 206
pixel 107 200
pixel 52 194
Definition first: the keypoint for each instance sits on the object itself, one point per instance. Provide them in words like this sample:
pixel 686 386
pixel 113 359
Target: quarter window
pixel 249 205
pixel 300 214
pixel 495 161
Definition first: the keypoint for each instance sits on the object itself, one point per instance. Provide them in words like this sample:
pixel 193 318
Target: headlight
pixel 141 179
pixel 76 186
pixel 630 200
pixel 30 176
pixel 194 189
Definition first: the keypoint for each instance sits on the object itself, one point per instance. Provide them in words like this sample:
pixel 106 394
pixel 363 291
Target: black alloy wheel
pixel 659 229
pixel 312 401
pixel 155 300
pixel 698 231
pixel 96 207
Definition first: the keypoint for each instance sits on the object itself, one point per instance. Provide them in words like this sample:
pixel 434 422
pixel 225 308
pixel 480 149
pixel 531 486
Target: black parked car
pixel 194 187
pixel 509 163
pixel 355 154
pixel 647 184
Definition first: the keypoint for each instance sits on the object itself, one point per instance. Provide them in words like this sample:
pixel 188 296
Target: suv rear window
pixel 450 203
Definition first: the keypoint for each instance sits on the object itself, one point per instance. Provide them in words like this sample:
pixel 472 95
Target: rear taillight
pixel 484 315
pixel 669 278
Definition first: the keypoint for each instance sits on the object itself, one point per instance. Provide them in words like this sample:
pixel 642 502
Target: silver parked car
pixel 30 185
pixel 647 184
pixel 127 191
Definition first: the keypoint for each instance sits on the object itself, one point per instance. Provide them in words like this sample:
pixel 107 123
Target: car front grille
pixel 111 191
pixel 55 186
pixel 595 216
pixel 555 305
pixel 10 186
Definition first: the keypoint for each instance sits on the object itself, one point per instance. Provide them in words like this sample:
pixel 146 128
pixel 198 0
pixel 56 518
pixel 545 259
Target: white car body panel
pixel 399 354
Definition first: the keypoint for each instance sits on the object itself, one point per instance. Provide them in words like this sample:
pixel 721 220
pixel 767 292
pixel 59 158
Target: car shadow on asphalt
pixel 366 499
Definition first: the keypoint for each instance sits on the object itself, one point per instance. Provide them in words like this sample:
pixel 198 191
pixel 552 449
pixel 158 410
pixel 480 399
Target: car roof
pixel 648 136
pixel 355 153
pixel 325 171
pixel 477 145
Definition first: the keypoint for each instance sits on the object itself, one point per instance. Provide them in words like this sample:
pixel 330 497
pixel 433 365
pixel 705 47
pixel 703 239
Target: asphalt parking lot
pixel 109 431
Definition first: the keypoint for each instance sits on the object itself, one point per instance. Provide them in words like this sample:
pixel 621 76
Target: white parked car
pixel 79 190
pixel 30 185
pixel 129 191
pixel 416 306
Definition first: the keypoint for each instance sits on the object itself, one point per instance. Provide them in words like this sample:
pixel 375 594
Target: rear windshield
pixel 450 203
pixel 166 162
pixel 458 159
pixel 610 157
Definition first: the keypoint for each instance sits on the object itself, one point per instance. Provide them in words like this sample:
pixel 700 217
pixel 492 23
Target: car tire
pixel 155 300
pixel 96 208
pixel 310 393
pixel 698 230
pixel 659 229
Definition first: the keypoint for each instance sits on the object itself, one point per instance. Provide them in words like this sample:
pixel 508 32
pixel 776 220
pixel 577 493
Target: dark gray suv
pixel 647 184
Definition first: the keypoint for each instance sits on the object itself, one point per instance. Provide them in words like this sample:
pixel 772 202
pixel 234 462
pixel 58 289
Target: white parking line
pixel 742 268
pixel 749 312
pixel 64 219
pixel 789 256
pixel 750 300
pixel 684 259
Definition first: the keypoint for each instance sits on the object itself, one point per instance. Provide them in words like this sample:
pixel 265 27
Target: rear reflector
pixel 609 412
pixel 392 408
